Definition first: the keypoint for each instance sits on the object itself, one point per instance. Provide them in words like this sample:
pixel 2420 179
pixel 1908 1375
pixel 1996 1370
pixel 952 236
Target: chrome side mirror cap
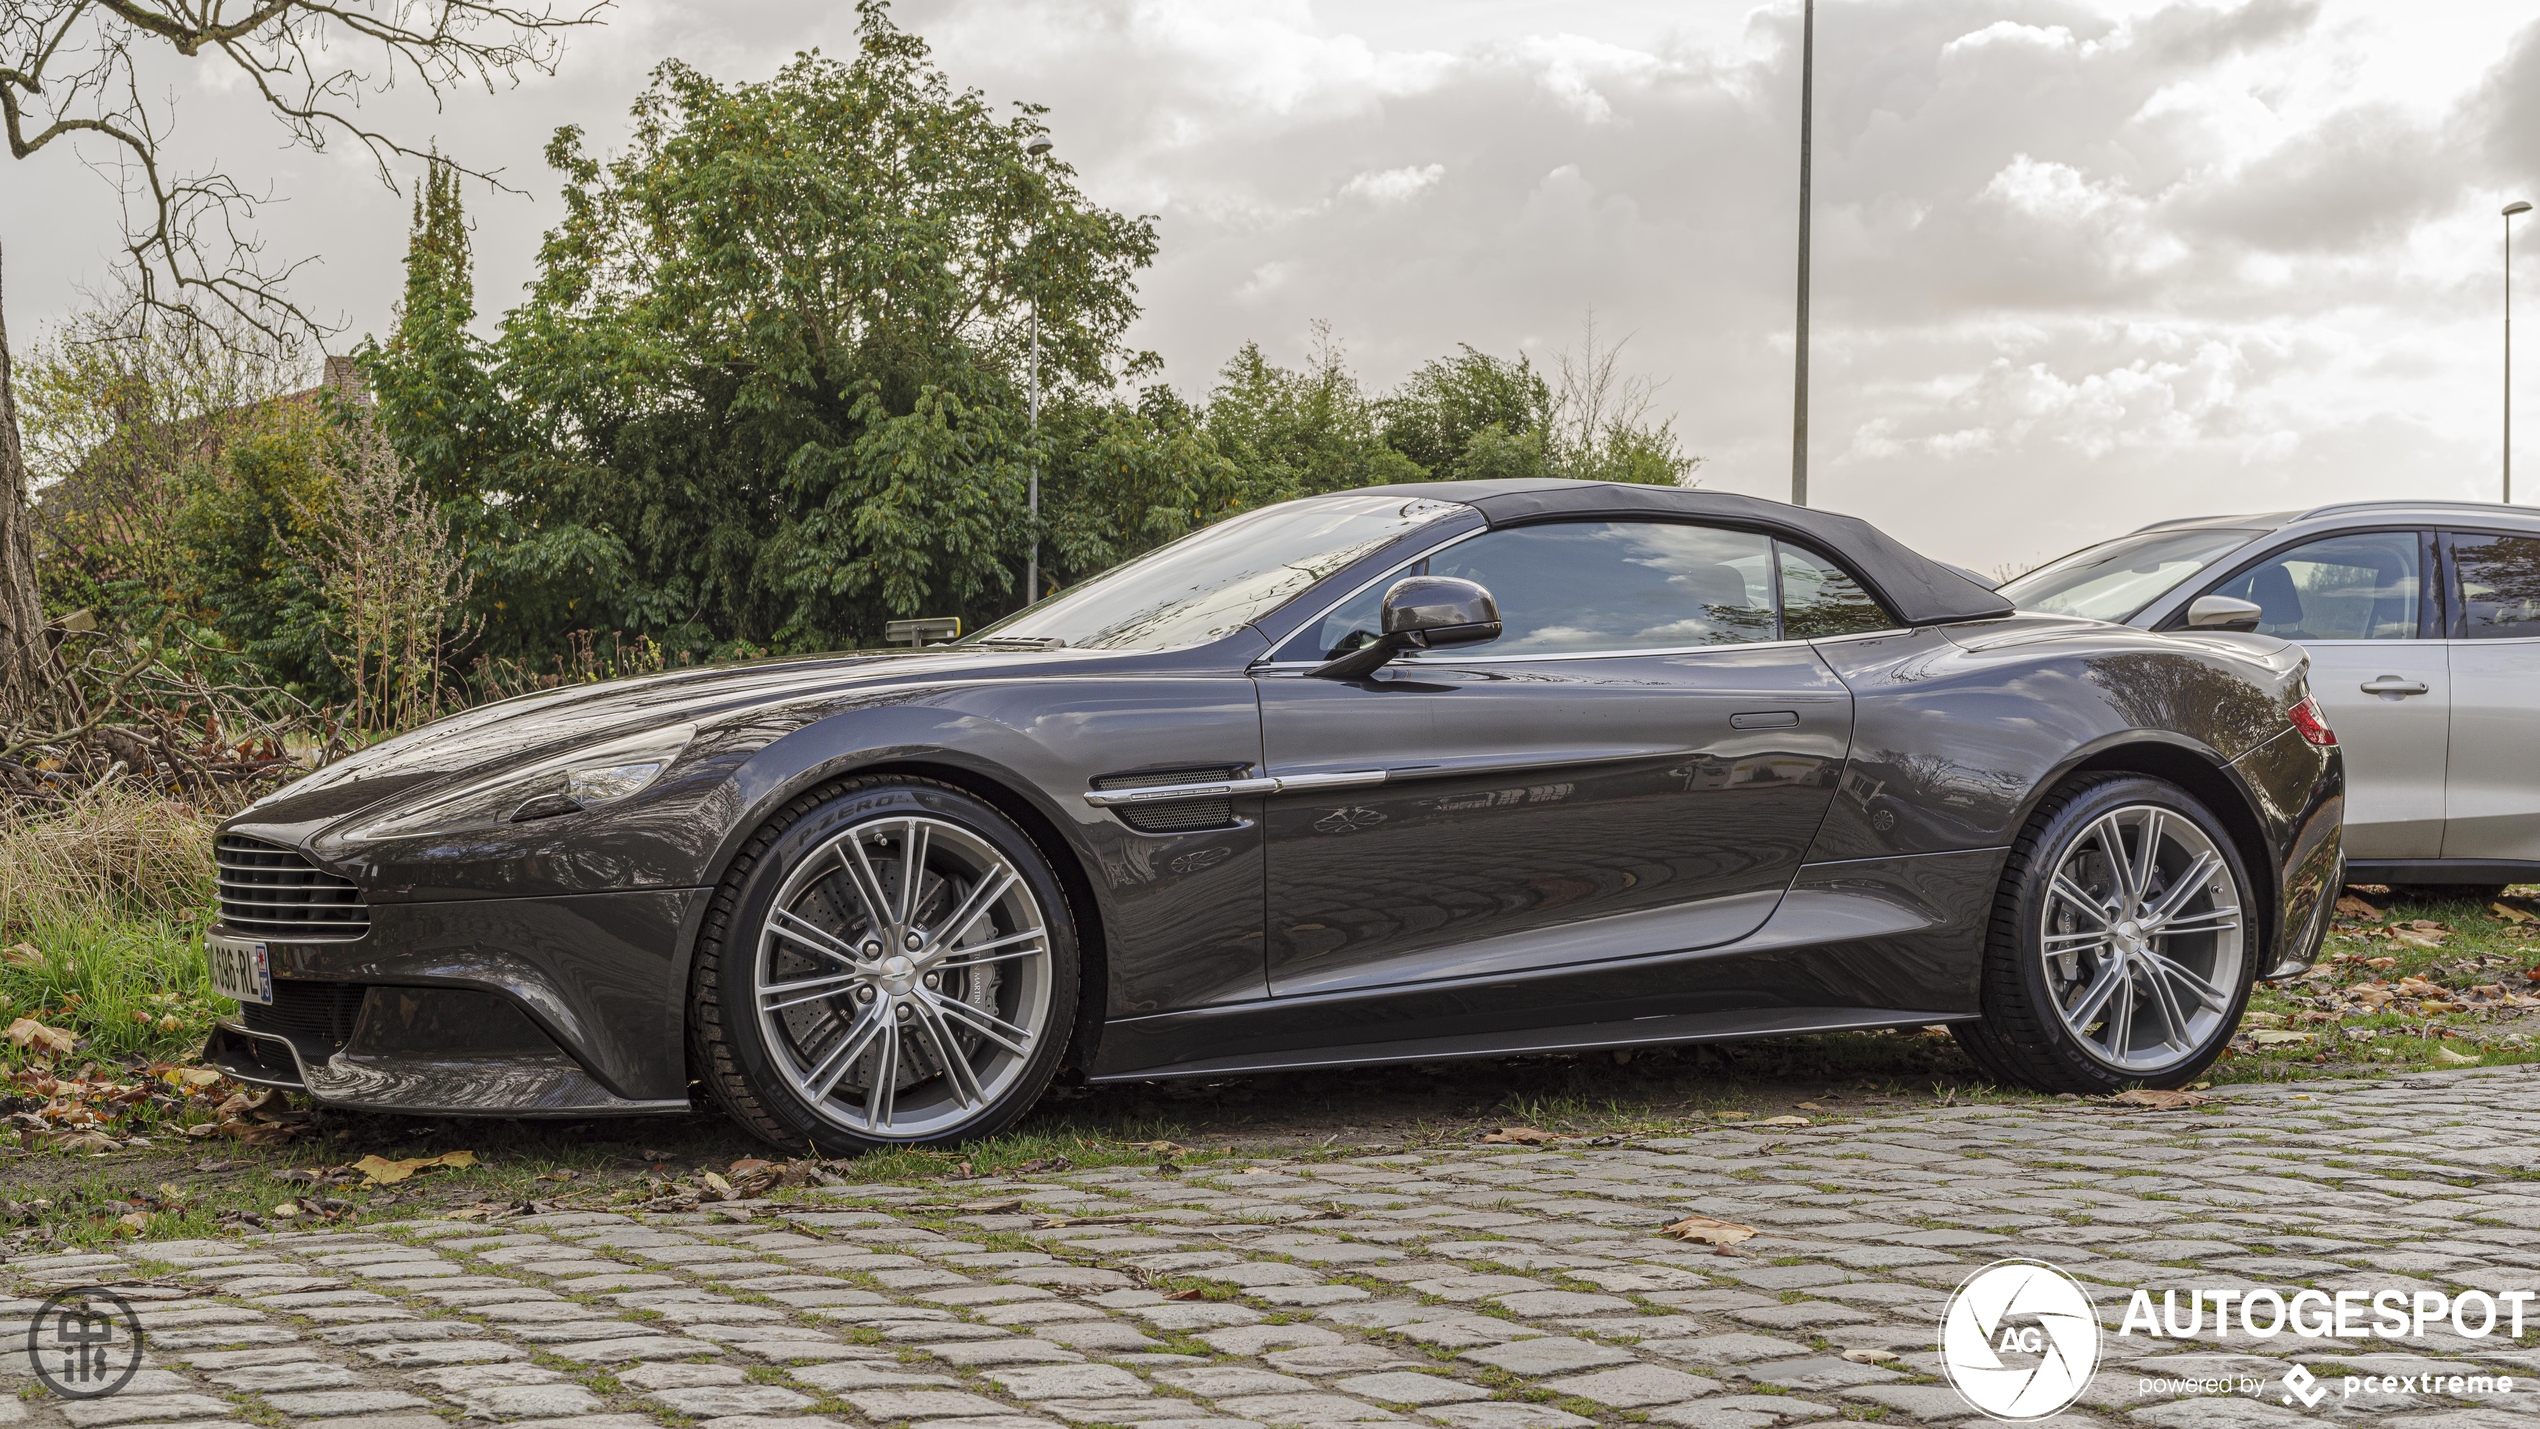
pixel 2223 612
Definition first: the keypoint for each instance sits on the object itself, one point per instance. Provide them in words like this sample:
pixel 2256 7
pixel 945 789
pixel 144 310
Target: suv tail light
pixel 2307 718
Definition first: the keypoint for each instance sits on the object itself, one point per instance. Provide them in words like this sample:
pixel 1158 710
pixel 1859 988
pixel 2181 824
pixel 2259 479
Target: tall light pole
pixel 1032 413
pixel 2513 209
pixel 1807 138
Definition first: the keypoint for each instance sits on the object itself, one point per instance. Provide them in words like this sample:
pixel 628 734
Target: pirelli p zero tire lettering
pixel 2123 945
pixel 889 962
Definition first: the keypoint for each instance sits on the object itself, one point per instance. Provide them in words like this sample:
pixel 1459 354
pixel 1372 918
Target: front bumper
pixel 501 1006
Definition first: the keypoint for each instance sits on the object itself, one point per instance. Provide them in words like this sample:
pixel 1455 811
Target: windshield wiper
pixel 1020 642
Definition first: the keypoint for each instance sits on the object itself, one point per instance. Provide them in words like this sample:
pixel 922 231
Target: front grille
pixel 272 891
pixel 316 1017
pixel 1174 816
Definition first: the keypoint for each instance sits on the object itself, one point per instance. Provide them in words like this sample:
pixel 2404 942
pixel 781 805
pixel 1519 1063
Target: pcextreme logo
pixel 2019 1340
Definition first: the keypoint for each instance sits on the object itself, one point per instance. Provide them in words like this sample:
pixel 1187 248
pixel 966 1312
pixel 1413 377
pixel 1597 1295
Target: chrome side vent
pixel 269 891
pixel 1212 808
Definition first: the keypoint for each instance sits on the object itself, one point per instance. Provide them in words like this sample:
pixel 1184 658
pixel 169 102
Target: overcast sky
pixel 2080 266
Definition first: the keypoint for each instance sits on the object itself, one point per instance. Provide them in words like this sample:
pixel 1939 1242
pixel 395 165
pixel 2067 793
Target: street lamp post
pixel 2512 210
pixel 1807 134
pixel 1032 417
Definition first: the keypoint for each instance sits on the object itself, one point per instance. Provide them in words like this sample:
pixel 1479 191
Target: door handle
pixel 2393 685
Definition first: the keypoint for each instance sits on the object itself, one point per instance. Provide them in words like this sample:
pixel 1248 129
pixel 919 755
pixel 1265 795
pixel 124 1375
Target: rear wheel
pixel 2120 948
pixel 890 963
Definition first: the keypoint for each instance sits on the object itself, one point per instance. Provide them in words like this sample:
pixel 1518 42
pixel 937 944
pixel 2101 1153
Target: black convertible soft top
pixel 1919 590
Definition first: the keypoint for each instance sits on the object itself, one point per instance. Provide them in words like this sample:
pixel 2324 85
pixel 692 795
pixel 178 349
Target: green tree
pixel 1296 433
pixel 1471 416
pixel 774 359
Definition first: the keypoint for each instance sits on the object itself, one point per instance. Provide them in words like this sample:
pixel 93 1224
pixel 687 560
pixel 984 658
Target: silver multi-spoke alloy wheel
pixel 2142 939
pixel 903 979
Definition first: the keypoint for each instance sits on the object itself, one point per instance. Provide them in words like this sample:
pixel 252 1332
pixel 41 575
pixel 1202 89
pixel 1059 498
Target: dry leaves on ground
pixel 2350 906
pixel 2451 1058
pixel 1523 1136
pixel 2159 1098
pixel 384 1172
pixel 39 1040
pixel 2513 910
pixel 1708 1231
pixel 1782 1121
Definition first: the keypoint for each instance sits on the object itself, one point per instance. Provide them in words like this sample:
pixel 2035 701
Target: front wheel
pixel 890 963
pixel 2119 952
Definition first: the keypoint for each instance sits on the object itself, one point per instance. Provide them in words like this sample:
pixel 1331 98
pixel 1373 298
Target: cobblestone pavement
pixel 1489 1288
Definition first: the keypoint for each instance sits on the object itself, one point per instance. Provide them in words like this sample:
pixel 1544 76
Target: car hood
pixel 525 729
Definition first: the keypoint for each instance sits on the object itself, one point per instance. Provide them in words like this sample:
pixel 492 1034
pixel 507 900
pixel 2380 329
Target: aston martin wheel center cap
pixel 897 975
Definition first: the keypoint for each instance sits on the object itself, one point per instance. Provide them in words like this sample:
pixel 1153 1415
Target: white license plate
pixel 240 969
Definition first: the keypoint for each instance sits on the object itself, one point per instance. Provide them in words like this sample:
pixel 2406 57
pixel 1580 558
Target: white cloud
pixel 2081 264
pixel 1393 185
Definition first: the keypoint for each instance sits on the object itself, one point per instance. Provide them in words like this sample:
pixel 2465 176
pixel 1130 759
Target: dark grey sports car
pixel 1399 774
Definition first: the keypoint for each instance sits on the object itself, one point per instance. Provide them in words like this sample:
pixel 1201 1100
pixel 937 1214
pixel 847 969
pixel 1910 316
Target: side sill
pixel 1584 1037
pixel 2438 871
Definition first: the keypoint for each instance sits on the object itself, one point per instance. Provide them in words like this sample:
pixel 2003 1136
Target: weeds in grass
pixel 115 851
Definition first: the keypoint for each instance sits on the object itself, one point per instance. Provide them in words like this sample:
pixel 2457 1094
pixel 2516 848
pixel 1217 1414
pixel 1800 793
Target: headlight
pixel 585 778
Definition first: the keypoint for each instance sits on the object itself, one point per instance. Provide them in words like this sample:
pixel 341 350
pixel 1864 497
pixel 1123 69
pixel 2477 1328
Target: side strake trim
pixel 1635 1032
pixel 1228 788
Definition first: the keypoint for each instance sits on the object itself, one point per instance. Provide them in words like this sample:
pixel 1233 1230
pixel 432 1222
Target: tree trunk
pixel 28 674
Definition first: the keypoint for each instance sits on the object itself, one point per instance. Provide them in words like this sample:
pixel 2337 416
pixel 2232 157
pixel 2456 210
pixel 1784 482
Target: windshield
pixel 1219 578
pixel 2114 579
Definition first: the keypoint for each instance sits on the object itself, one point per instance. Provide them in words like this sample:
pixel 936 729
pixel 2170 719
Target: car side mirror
pixel 2223 612
pixel 1420 613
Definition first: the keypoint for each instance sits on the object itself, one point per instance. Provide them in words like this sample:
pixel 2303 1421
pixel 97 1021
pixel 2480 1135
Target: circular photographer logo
pixel 84 1343
pixel 2019 1340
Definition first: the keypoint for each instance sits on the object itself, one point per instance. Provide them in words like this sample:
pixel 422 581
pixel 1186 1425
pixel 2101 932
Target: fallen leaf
pixel 1708 1231
pixel 2381 962
pixel 73 1141
pixel 2415 939
pixel 746 1165
pixel 989 1208
pixel 2350 906
pixel 197 1078
pixel 1183 1295
pixel 1810 1106
pixel 555 1175
pixel 2276 1037
pixel 2511 913
pixel 1783 1121
pixel 384 1172
pixel 1523 1136
pixel 2450 1058
pixel 137 1222
pixel 1869 1356
pixel 1728 1116
pixel 720 1186
pixel 2158 1098
pixel 285 1211
pixel 43 1041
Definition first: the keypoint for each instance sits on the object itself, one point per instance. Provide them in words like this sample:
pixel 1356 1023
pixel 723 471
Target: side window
pixel 1618 585
pixel 2358 587
pixel 1820 598
pixel 2500 586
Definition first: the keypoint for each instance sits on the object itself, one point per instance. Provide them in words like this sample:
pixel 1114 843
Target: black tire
pixel 759 1069
pixel 2024 1036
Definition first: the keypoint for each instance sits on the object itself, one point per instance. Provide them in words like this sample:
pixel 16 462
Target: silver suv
pixel 2422 619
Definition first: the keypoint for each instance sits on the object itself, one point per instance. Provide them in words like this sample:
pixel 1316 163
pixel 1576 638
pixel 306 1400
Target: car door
pixel 2357 602
pixel 2492 783
pixel 1634 766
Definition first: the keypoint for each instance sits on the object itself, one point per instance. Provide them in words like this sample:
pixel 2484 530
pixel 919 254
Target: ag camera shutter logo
pixel 2019 1340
